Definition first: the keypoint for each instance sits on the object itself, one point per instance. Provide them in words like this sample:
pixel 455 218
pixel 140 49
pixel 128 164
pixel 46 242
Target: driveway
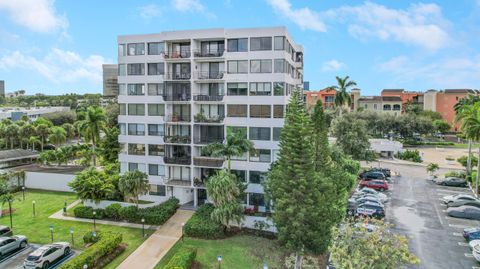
pixel 15 260
pixel 416 211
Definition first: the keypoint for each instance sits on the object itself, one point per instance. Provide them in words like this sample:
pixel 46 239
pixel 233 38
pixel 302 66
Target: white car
pixel 476 253
pixel 12 243
pixel 44 256
pixel 474 243
pixel 452 198
pixel 379 196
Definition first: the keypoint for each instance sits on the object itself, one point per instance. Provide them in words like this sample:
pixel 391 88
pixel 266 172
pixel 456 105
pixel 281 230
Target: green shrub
pixel 128 213
pixel 201 225
pixel 409 155
pixel 463 161
pixel 155 215
pixel 183 259
pixel 107 243
pixel 456 174
pixel 87 212
pixel 90 237
pixel 113 211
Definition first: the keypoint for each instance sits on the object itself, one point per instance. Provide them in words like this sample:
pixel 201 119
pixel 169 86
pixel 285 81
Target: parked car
pixel 464 212
pixel 370 210
pixel 44 256
pixel 471 233
pixel 372 200
pixel 5 231
pixel 380 196
pixel 385 171
pixel 452 181
pixel 453 198
pixel 380 185
pixel 12 243
pixel 475 203
pixel 373 175
pixel 476 253
pixel 473 243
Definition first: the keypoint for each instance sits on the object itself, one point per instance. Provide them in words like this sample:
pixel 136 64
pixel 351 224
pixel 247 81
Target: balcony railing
pixel 208 98
pixel 177 182
pixel 178 139
pixel 208 119
pixel 208 161
pixel 177 76
pixel 209 74
pixel 177 97
pixel 208 53
pixel 179 118
pixel 185 160
pixel 208 140
pixel 177 54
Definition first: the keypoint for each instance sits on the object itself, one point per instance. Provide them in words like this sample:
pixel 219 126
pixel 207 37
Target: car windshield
pixel 33 258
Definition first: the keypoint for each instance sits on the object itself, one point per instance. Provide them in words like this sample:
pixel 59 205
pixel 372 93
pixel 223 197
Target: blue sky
pixel 55 47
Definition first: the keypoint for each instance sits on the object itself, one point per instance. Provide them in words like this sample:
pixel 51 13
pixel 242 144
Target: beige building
pixel 387 104
pixel 110 80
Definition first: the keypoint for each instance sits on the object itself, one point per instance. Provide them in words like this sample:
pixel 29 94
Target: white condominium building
pixel 181 90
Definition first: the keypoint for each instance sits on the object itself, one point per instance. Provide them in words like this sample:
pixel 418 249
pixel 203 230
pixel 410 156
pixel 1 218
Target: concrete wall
pixel 104 203
pixel 48 181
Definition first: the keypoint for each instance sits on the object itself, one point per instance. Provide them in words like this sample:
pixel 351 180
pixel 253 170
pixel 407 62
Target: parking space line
pixel 459 226
pixel 13 254
pixel 463 244
pixel 457 234
pixel 468 255
pixel 475 267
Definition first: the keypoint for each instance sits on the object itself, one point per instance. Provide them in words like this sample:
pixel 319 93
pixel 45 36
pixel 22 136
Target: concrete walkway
pixel 158 244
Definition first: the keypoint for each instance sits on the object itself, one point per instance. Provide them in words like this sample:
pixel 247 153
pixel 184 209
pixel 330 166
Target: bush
pixel 183 259
pixel 409 155
pixel 456 174
pixel 106 244
pixel 201 225
pixel 90 238
pixel 159 214
pixel 128 213
pixel 463 161
pixel 86 212
pixel 113 211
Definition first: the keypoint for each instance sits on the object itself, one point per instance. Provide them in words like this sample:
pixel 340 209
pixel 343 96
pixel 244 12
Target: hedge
pixel 113 211
pixel 107 243
pixel 410 155
pixel 87 212
pixel 183 259
pixel 201 225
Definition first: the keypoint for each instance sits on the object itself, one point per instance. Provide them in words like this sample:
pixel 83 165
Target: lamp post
pixel 219 259
pixel 23 192
pixel 94 223
pixel 183 225
pixel 143 227
pixel 71 233
pixel 11 213
pixel 33 204
pixel 51 232
pixel 85 266
pixel 65 207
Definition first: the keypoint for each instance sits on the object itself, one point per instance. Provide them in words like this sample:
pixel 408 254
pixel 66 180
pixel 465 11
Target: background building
pixel 16 113
pixel 327 97
pixel 181 90
pixel 110 81
pixel 2 87
pixel 387 104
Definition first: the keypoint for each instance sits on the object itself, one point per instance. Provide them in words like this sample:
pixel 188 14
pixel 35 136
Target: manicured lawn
pixel 48 202
pixel 238 252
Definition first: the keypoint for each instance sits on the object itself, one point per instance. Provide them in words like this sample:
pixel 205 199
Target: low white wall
pixel 249 222
pixel 48 181
pixel 104 203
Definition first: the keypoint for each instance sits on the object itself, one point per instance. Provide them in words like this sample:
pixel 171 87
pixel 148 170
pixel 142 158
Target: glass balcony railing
pixel 177 76
pixel 177 182
pixel 200 118
pixel 184 160
pixel 208 161
pixel 208 53
pixel 208 140
pixel 177 54
pixel 178 139
pixel 178 118
pixel 201 75
pixel 208 98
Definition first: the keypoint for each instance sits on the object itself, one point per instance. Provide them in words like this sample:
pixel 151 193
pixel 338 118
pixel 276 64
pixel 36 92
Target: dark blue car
pixel 471 233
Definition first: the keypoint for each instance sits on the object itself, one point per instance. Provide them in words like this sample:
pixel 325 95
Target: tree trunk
pixel 94 156
pixel 478 174
pixel 41 143
pixel 228 165
pixel 11 143
pixel 298 261
pixel 469 159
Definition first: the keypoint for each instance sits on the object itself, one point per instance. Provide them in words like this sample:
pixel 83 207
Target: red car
pixel 380 185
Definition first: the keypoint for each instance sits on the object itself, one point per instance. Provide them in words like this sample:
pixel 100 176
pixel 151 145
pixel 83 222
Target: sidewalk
pixel 158 244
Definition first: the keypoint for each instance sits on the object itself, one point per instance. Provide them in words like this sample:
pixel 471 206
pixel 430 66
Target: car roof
pixel 39 251
pixel 4 227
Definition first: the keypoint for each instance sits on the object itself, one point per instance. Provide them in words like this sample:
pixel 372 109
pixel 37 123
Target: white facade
pixel 179 91
pixel 15 113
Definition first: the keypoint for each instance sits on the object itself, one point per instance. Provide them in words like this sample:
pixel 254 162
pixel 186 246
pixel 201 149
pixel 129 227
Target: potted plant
pixel 199 117
pixel 175 117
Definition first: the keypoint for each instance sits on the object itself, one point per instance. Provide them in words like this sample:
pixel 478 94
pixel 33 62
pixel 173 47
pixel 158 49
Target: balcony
pixel 177 76
pixel 178 118
pixel 208 98
pixel 209 75
pixel 178 139
pixel 200 118
pixel 208 53
pixel 183 160
pixel 183 97
pixel 177 182
pixel 182 54
pixel 208 161
pixel 208 140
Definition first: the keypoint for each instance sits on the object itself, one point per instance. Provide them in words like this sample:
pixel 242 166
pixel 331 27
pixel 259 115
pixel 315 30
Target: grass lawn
pixel 238 252
pixel 48 202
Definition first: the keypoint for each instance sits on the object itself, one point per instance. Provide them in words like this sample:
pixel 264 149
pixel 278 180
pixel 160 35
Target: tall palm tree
pixel 459 107
pixel 236 144
pixel 42 131
pixel 94 122
pixel 342 97
pixel 33 140
pixel 133 184
pixel 70 129
pixel 26 131
pixel 57 136
pixel 11 133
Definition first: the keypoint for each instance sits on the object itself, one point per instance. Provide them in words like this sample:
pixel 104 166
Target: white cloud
pixel 332 65
pixel 448 72
pixel 39 15
pixel 305 18
pixel 58 65
pixel 149 11
pixel 188 5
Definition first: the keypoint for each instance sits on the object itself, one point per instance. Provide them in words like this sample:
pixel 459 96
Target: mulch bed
pixel 102 262
pixel 6 212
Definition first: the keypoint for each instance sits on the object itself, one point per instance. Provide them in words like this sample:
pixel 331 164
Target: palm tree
pixel 11 133
pixel 94 122
pixel 42 131
pixel 459 107
pixel 57 136
pixel 133 184
pixel 26 131
pixel 70 129
pixel 236 144
pixel 342 97
pixel 33 140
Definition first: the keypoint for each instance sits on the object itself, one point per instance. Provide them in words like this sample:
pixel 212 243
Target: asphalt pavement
pixel 15 259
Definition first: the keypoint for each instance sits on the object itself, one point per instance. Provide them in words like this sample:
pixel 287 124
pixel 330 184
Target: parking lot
pixel 416 211
pixel 15 260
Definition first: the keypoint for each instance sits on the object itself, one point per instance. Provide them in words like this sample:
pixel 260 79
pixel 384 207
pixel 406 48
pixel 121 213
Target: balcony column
pixel 195 197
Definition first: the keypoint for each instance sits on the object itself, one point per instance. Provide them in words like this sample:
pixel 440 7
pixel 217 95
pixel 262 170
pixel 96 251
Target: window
pixel 260 155
pixel 238 67
pixel 122 89
pixel 260 43
pixel 136 149
pixel 156 48
pixel 257 177
pixel 260 66
pixel 329 99
pixel 279 66
pixel 387 107
pixel 157 190
pixel 374 106
pixel 260 88
pixel 156 109
pixel 122 71
pixel 136 109
pixel 259 133
pixel 278 111
pixel 256 199
pixel 136 69
pixel 260 111
pixel 240 174
pixel 155 89
pixel 123 109
pixel 156 69
pixel 156 170
pixel 132 166
pixel 236 89
pixel 121 50
pixel 237 129
pixel 136 89
pixel 123 128
pixel 276 133
pixel 279 88
pixel 136 129
pixel 156 129
pixel 279 43
pixel 156 150
pixel 237 111
pixel 136 49
pixel 238 45
pixel 396 107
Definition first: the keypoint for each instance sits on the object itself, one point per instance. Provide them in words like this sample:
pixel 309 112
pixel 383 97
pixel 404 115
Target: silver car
pixel 44 256
pixel 12 243
pixel 464 212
